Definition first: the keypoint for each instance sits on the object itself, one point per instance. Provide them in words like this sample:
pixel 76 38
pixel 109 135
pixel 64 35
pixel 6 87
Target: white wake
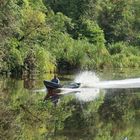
pixel 91 85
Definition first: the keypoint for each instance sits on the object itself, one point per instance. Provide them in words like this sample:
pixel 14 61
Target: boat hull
pixel 51 85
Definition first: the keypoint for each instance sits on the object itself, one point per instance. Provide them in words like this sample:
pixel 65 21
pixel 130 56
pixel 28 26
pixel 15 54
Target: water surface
pixel 102 112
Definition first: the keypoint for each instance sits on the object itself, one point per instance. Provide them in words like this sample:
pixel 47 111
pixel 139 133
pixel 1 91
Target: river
pixel 105 107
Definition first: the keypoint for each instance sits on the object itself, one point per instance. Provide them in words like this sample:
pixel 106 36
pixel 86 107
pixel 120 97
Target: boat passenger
pixel 55 80
pixel 52 93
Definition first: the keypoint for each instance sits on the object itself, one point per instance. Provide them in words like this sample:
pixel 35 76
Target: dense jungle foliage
pixel 45 36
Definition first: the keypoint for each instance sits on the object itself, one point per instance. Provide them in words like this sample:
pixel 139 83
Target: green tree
pixel 91 31
pixel 116 19
pixel 71 8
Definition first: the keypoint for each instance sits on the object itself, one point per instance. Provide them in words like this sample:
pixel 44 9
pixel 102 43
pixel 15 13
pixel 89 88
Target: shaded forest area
pixel 45 36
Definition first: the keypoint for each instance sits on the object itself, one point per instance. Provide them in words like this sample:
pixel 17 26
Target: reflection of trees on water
pixel 29 83
pixel 112 116
pixel 113 119
pixel 117 103
pixel 119 111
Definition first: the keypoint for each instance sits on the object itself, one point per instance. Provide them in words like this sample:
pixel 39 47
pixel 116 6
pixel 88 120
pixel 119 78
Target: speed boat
pixel 53 85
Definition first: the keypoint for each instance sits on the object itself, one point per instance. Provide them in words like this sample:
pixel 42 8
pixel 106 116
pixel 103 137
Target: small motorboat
pixel 53 85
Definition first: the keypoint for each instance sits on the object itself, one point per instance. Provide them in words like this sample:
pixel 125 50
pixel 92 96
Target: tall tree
pixel 116 19
pixel 72 8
